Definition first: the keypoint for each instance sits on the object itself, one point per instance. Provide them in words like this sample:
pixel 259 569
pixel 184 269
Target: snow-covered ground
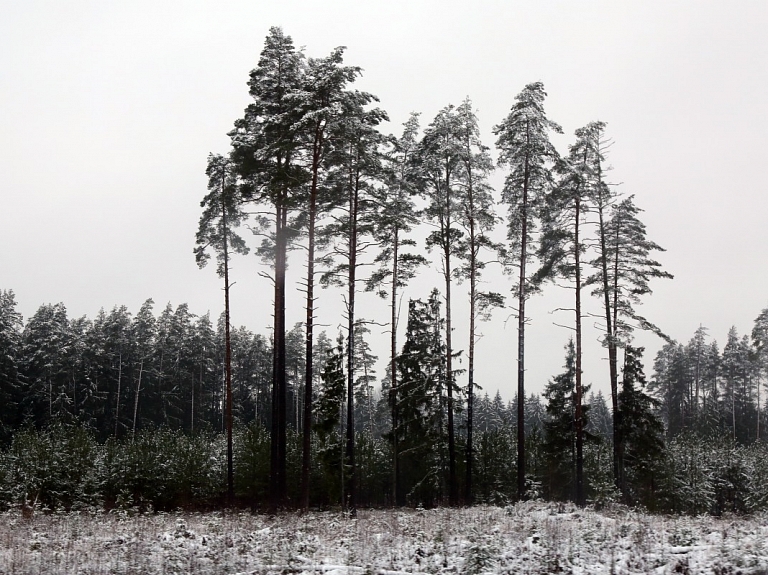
pixel 525 538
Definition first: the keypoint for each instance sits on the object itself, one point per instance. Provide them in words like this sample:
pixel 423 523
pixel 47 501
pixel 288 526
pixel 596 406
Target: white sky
pixel 109 109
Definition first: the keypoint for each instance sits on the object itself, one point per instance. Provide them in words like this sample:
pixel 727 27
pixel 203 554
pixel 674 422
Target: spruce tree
pixel 559 431
pixel 419 398
pixel 642 432
pixel 10 356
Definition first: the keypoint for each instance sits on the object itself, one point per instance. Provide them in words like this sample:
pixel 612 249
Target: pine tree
pixel 143 334
pixel 394 217
pixel 321 102
pixel 222 213
pixel 562 247
pixel 760 343
pixel 477 218
pixel 524 146
pixel 268 148
pixel 440 153
pixel 623 268
pixel 357 167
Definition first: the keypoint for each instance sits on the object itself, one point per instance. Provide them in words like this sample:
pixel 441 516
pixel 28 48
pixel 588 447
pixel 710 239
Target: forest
pixel 159 410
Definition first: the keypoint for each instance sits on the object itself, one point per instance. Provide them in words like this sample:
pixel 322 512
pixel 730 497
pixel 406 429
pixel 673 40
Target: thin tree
pixel 440 161
pixel 562 245
pixel 477 218
pixel 357 162
pixel 321 102
pixel 394 217
pixel 525 149
pixel 222 213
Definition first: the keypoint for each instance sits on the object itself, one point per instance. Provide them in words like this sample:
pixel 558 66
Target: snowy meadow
pixel 530 537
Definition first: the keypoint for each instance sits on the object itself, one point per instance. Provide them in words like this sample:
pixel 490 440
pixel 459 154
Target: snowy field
pixel 526 538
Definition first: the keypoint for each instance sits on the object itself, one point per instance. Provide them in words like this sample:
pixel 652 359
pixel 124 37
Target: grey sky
pixel 109 109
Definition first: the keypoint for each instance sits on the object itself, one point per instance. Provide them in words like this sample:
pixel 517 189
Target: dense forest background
pixel 312 176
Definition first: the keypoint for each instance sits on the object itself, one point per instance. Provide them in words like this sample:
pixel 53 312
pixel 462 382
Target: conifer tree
pixel 419 398
pixel 477 218
pixel 321 102
pixel 143 332
pixel 559 431
pixel 222 213
pixel 440 153
pixel 394 217
pixel 525 149
pixel 46 342
pixel 10 356
pixel 268 150
pixel 760 343
pixel 562 247
pixel 641 432
pixel 357 167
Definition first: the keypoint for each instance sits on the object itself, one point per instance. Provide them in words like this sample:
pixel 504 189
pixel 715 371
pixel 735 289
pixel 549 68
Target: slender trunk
pixel 306 460
pixel 521 341
pixel 119 382
pixel 350 452
pixel 228 363
pixel 136 400
pixel 278 436
pixel 610 336
pixel 579 411
pixel 452 487
pixel 393 390
pixel 472 314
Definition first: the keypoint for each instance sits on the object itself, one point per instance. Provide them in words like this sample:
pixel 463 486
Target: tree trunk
pixel 521 342
pixel 136 400
pixel 452 487
pixel 351 288
pixel 228 364
pixel 471 366
pixel 579 412
pixel 306 460
pixel 119 382
pixel 393 391
pixel 278 426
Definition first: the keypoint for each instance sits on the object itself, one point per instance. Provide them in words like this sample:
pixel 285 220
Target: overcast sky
pixel 109 110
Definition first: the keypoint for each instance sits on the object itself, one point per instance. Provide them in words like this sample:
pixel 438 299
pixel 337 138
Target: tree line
pixel 129 411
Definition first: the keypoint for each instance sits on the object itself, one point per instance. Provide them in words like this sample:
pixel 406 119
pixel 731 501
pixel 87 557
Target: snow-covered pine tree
pixel 525 149
pixel 268 151
pixel 222 214
pixel 439 158
pixel 394 217
pixel 477 218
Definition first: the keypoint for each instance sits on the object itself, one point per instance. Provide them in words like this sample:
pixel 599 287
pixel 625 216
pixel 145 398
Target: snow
pixel 531 537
